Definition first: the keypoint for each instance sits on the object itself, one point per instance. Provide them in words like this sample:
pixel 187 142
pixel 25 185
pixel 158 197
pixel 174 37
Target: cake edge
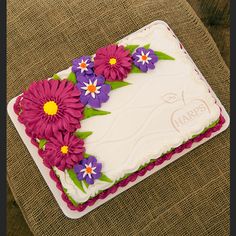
pixel 133 176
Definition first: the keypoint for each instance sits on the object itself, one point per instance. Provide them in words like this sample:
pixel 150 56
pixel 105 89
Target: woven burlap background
pixel 188 197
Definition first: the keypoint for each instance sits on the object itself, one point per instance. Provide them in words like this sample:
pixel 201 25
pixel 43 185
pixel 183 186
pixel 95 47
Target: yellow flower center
pixel 89 170
pixel 112 61
pixel 91 88
pixel 64 149
pixel 50 108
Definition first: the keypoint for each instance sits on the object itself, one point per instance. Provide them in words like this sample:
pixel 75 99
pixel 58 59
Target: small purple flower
pixel 93 90
pixel 88 170
pixel 83 66
pixel 144 59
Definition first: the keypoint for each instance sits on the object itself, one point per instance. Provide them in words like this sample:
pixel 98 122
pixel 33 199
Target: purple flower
pixel 82 66
pixel 88 170
pixel 144 59
pixel 93 90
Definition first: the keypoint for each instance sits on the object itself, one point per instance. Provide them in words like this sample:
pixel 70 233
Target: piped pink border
pixel 133 176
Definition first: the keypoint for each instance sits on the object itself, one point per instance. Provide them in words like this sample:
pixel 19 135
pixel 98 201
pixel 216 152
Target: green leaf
pixel 147 46
pixel 75 180
pixel 42 142
pixel 163 56
pixel 131 48
pixel 85 183
pixel 135 69
pixel 86 155
pixel 83 135
pixel 56 77
pixel 70 198
pixel 72 77
pixel 117 84
pixel 105 178
pixel 90 112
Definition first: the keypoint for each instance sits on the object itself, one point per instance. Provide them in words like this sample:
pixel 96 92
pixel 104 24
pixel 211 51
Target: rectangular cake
pixel 113 116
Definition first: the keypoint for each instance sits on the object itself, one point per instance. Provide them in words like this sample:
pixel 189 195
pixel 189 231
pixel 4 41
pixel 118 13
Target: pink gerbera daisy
pixel 50 106
pixel 63 151
pixel 113 62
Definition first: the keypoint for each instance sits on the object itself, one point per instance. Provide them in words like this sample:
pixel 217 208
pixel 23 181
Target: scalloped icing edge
pixel 132 177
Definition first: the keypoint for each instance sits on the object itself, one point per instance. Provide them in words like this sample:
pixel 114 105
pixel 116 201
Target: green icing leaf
pixel 147 46
pixel 56 77
pixel 163 56
pixel 83 135
pixel 131 48
pixel 90 112
pixel 135 69
pixel 209 127
pixel 72 77
pixel 105 178
pixel 75 180
pixel 70 198
pixel 86 155
pixel 42 142
pixel 85 183
pixel 117 84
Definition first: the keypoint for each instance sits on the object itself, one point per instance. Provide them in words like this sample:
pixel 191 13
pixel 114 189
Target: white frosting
pixel 160 110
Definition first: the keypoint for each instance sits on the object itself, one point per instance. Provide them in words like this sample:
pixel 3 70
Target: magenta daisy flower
pixel 50 106
pixel 113 62
pixel 63 150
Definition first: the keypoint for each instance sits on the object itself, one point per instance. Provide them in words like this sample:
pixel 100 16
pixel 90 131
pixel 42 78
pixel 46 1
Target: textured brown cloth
pixel 188 197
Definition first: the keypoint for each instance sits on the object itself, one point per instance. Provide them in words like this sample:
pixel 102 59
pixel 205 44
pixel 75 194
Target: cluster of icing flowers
pixel 53 109
pixel 110 63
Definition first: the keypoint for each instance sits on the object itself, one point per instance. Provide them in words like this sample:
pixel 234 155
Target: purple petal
pixel 103 97
pixel 143 67
pixel 92 159
pixel 89 180
pixel 75 69
pixel 85 161
pixel 150 65
pixel 154 58
pixel 81 79
pixel 100 80
pixel 94 102
pixel 80 175
pixel 106 88
pixel 98 167
pixel 97 175
pixel 76 61
pixel 84 99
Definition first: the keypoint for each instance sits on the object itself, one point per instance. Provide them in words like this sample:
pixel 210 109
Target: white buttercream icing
pixel 160 110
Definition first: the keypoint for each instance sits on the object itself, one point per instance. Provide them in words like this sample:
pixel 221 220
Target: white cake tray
pixel 51 183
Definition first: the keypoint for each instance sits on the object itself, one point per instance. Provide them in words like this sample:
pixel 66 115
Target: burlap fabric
pixel 188 197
